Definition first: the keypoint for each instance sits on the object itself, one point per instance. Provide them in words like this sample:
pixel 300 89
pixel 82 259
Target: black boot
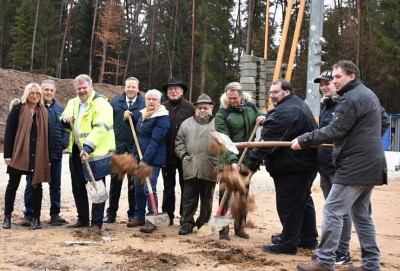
pixel 36 224
pixel 239 230
pixel 7 222
pixel 224 233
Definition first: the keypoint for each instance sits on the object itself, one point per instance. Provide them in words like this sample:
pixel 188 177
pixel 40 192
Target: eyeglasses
pixel 205 108
pixel 34 93
pixel 274 92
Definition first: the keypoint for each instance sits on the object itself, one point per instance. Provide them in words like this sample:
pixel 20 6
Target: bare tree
pixel 92 38
pixel 34 34
pixel 153 19
pixel 66 31
pixel 249 26
pixel 192 49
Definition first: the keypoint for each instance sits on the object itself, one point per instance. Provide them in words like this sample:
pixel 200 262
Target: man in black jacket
pixel 58 141
pixel 293 172
pixel 127 104
pixel 356 129
pixel 325 167
pixel 179 110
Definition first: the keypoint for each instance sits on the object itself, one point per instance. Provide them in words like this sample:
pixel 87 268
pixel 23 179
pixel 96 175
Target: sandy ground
pixel 122 248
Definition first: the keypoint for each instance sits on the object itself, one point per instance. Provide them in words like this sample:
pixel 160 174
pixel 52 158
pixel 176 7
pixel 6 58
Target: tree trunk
pixel 34 34
pixel 103 62
pixel 249 27
pixel 132 38
pixel 359 34
pixel 93 36
pixel 192 50
pixel 152 42
pixel 66 31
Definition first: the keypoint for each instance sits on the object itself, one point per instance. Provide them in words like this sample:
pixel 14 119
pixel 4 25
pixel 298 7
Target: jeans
pixel 80 193
pixel 11 190
pixel 296 209
pixel 115 193
pixel 344 242
pixel 54 188
pixel 169 173
pixel 142 194
pixel 343 199
pixel 195 188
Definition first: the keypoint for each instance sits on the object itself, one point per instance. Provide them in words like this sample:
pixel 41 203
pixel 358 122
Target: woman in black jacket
pixel 26 150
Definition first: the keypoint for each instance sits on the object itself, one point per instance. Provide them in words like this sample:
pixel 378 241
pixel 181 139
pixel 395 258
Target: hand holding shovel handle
pixel 77 143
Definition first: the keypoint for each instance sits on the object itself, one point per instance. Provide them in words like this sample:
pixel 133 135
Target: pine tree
pixel 21 32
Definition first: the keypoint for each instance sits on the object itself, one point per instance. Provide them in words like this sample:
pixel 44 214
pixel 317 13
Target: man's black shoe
pixel 57 220
pixel 7 222
pixel 185 229
pixel 148 227
pixel 275 239
pixel 36 224
pixel 135 222
pixel 109 219
pixel 26 221
pixel 278 249
pixel 343 259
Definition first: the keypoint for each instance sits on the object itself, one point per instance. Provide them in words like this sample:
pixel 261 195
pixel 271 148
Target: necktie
pixel 130 104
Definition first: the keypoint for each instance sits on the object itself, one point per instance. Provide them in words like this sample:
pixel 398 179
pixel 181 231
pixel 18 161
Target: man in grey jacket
pixel 356 129
pixel 198 164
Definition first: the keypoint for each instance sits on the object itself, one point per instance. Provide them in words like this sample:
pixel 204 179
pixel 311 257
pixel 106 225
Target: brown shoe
pixel 314 266
pixel 95 229
pixel 148 227
pixel 77 224
pixel 135 222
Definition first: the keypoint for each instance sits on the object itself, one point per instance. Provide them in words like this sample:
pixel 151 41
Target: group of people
pixel 174 136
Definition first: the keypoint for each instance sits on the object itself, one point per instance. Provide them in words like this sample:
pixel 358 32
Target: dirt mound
pixel 13 83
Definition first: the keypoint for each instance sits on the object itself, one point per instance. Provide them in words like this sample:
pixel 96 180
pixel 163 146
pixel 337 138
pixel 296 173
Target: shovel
pixel 96 189
pixel 160 220
pixel 218 221
pixel 227 143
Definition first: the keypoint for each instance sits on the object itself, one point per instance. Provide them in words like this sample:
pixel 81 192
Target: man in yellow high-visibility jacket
pixel 92 116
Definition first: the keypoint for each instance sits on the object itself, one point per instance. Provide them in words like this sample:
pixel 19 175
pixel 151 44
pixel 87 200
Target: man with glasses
pixel 198 164
pixel 293 172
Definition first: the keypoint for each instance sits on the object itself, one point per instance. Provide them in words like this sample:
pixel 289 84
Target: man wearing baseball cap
pixel 326 168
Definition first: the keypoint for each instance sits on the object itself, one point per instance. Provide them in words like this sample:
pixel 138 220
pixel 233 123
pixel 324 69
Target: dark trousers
pixel 169 173
pixel 11 190
pixel 54 188
pixel 115 193
pixel 195 188
pixel 296 209
pixel 80 193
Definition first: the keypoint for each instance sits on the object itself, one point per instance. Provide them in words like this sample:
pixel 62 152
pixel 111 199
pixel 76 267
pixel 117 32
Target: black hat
pixel 205 99
pixel 175 81
pixel 326 75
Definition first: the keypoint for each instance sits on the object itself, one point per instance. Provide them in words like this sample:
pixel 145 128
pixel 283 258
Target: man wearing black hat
pixel 325 166
pixel 179 110
pixel 198 164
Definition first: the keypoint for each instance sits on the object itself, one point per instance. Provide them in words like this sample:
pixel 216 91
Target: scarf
pixel 21 155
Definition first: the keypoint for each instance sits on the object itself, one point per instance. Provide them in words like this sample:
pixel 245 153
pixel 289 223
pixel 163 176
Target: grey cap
pixel 205 99
pixel 325 75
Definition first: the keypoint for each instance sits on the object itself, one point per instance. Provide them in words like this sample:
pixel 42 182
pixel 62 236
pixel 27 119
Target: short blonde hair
pixel 154 92
pixel 28 89
pixel 83 77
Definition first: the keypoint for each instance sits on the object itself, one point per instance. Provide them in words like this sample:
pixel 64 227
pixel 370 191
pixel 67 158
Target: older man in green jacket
pixel 236 118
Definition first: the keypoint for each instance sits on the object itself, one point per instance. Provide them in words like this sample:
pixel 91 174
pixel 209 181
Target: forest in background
pixel 156 39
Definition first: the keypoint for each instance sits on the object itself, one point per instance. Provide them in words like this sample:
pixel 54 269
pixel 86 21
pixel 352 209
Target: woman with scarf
pixel 151 128
pixel 26 150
